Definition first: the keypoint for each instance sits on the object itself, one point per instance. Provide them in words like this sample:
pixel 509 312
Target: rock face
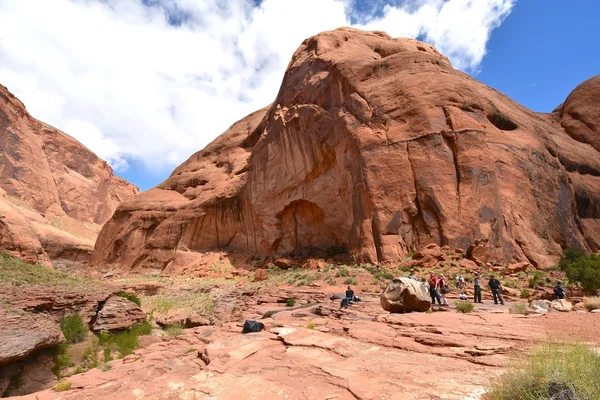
pixel 22 333
pixel 405 295
pixel 54 193
pixel 379 145
pixel 118 314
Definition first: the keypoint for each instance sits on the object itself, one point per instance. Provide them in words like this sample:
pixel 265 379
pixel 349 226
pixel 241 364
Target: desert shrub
pixel 572 369
pixel 524 293
pixel 104 367
pixel 290 302
pixel 350 281
pixel 73 329
pixel 125 342
pixel 78 370
pixel 61 359
pixel 333 251
pixel 464 307
pixel 591 303
pixel 582 268
pixel 174 330
pixel 61 386
pixel 107 355
pixel 535 278
pixel 342 271
pixel 131 297
pixel 310 325
pixel 511 283
pixel 518 308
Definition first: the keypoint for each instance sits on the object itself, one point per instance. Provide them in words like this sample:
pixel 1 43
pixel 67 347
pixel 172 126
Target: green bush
pixel 174 330
pixel 104 367
pixel 125 342
pixel 573 369
pixel 131 297
pixel 350 281
pixel 310 325
pixel 524 294
pixel 582 268
pixel 107 355
pixel 61 359
pixel 511 283
pixel 61 386
pixel 73 329
pixel 342 271
pixel 290 302
pixel 464 307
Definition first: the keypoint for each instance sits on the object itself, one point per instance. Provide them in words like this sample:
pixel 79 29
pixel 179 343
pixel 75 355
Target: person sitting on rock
pixel 443 288
pixel 349 297
pixel 476 289
pixel 433 292
pixel 412 275
pixel 496 287
pixel 559 291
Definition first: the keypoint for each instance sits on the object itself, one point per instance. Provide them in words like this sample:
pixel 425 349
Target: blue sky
pixel 146 83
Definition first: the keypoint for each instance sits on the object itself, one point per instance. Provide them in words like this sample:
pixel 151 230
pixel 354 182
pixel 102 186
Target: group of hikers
pixel 438 287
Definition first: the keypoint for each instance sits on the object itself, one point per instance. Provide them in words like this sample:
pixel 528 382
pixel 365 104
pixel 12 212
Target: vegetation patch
pixel 350 281
pixel 464 307
pixel 591 303
pixel 125 343
pixel 525 294
pixel 517 308
pixel 62 386
pixel 310 325
pixel 290 302
pixel 201 303
pixel 174 330
pixel 581 268
pixel 552 371
pixel 73 329
pixel 18 273
pixel 131 297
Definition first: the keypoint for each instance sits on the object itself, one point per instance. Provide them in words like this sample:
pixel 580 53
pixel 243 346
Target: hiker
pixel 425 284
pixel 433 289
pixel 458 279
pixel 559 291
pixel 412 275
pixel 496 287
pixel 349 297
pixel 444 288
pixel 462 286
pixel 476 289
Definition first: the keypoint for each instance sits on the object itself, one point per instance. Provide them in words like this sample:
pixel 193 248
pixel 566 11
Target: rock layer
pixel 54 193
pixel 379 145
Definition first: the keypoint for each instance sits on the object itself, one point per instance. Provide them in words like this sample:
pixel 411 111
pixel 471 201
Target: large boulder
pixel 380 145
pixel 561 305
pixel 405 295
pixel 22 333
pixel 118 314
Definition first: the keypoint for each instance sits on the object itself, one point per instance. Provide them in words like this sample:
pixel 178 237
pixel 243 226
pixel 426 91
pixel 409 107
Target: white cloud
pixel 157 80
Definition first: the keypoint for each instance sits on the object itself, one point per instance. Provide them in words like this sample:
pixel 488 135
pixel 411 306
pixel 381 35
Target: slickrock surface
pixel 55 194
pixel 314 350
pixel 381 145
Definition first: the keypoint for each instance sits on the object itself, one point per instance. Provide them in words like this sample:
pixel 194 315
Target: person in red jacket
pixel 443 288
pixel 433 292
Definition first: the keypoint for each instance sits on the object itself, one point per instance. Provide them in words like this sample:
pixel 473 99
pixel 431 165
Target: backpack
pixel 253 326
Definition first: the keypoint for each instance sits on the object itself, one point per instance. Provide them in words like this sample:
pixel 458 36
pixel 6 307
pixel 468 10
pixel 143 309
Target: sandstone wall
pixel 378 144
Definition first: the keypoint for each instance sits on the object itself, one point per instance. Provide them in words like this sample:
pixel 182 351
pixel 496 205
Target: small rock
pixel 260 275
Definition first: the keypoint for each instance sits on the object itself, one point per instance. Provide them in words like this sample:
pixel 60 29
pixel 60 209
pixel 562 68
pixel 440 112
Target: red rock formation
pixel 378 144
pixel 54 193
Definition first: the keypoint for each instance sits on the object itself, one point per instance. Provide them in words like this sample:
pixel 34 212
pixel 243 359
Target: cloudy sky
pixel 146 83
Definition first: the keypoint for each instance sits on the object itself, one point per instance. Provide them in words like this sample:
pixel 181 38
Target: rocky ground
pixel 314 350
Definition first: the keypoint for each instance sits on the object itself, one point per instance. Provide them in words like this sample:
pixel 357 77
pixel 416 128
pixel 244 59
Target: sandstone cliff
pixel 54 193
pixel 381 145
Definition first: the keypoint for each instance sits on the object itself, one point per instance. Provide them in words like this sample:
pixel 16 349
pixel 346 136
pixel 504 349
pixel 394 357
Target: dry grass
pixel 201 303
pixel 518 308
pixel 554 370
pixel 591 303
pixel 19 273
